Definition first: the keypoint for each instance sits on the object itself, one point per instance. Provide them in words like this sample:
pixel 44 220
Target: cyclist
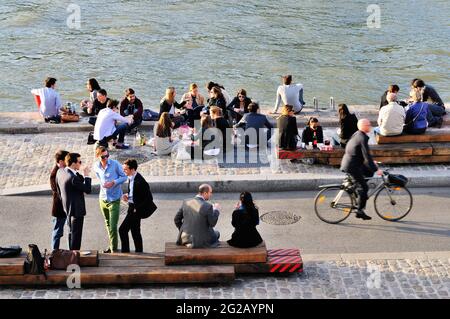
pixel 358 163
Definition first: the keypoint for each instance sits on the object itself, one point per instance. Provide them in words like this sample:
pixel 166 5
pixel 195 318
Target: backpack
pixel 10 252
pixel 34 263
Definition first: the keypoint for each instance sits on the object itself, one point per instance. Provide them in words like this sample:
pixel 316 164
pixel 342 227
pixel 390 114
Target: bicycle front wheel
pixel 333 205
pixel 393 202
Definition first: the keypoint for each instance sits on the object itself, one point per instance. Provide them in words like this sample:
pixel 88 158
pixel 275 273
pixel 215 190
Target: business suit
pixel 358 162
pixel 71 188
pixel 195 221
pixel 142 200
pixel 58 213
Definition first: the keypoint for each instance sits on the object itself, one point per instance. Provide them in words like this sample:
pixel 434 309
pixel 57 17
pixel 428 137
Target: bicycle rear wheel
pixel 393 202
pixel 333 204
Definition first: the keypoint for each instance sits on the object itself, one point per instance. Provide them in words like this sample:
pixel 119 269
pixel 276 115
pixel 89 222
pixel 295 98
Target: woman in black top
pixel 170 105
pixel 239 106
pixel 245 219
pixel 287 126
pixel 217 99
pixel 348 123
pixel 312 127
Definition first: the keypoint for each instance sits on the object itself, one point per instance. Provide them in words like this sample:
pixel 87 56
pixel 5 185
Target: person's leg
pixel 77 232
pixel 123 232
pixel 106 216
pixel 436 110
pixel 136 233
pixel 114 212
pixel 58 231
pixel 361 189
pixel 120 132
pixel 135 124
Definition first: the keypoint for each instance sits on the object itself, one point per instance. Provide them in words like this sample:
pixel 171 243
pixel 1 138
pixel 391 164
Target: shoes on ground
pixel 122 146
pixel 361 214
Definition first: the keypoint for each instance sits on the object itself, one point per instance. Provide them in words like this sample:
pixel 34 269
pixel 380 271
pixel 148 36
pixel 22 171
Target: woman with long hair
pixel 287 127
pixel 245 219
pixel 163 143
pixel 170 105
pixel 194 103
pixel 239 106
pixel 348 123
pixel 216 98
pixel 93 87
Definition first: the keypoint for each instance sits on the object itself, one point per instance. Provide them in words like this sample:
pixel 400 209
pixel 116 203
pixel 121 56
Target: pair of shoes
pixel 439 122
pixel 361 214
pixel 122 146
pixel 107 251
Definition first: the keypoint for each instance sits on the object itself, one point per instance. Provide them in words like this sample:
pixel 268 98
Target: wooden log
pixel 153 262
pixel 12 266
pixel 441 149
pixel 90 260
pixel 129 275
pixel 430 136
pixel 407 149
pixel 223 254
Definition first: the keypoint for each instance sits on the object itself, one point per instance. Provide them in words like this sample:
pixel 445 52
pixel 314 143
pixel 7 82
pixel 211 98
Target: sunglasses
pixel 104 156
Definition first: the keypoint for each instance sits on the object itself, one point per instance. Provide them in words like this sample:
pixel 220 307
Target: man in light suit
pixel 196 219
pixel 71 187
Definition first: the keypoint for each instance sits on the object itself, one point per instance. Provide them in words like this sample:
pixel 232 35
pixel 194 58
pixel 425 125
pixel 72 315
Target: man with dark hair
pixel 255 120
pixel 393 88
pixel 140 205
pixel 131 105
pixel 289 94
pixel 435 105
pixel 71 187
pixel 50 101
pixel 58 213
pixel 105 127
pixel 195 220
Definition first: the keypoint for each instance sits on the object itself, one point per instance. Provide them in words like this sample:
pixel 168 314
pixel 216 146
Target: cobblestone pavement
pixel 374 279
pixel 26 160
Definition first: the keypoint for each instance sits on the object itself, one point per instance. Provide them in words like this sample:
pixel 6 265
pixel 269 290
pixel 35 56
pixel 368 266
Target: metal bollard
pixel 332 104
pixel 316 104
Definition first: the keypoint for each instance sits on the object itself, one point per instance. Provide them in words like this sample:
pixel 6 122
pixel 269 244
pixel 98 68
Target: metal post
pixel 316 104
pixel 332 105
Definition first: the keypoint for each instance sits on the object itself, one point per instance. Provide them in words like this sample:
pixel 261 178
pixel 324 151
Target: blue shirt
pixel 112 172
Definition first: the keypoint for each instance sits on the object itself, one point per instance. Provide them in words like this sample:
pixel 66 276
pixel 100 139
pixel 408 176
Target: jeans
pixel 120 131
pixel 131 222
pixel 134 125
pixel 111 212
pixel 58 231
pixel 434 114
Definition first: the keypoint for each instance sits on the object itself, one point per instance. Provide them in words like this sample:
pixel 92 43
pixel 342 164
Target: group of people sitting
pixel 423 109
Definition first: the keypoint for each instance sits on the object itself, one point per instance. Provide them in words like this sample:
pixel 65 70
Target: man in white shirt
pixel 391 117
pixel 105 127
pixel 50 101
pixel 289 94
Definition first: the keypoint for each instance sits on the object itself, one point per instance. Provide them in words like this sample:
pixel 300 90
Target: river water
pixel 149 45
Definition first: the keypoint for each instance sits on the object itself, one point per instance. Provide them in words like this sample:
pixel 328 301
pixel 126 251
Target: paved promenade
pixel 26 160
pixel 381 276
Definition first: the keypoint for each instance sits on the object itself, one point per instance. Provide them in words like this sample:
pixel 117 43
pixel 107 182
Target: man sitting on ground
pixel 254 120
pixel 391 89
pixel 196 219
pixel 391 117
pixel 131 105
pixel 50 101
pixel 105 127
pixel 435 104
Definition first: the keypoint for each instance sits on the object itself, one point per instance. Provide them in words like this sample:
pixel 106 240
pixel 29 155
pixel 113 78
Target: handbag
pixel 10 251
pixel 61 259
pixel 69 117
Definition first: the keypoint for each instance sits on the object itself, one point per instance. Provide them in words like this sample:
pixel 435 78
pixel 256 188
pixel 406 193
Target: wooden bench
pixel 430 136
pixel 223 254
pixel 280 261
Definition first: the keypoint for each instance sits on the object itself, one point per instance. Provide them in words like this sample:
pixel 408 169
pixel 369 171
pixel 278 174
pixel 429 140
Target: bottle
pixel 69 107
pixel 315 139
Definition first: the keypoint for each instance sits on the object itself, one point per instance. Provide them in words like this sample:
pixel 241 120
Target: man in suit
pixel 58 213
pixel 140 205
pixel 71 187
pixel 256 121
pixel 196 219
pixel 358 162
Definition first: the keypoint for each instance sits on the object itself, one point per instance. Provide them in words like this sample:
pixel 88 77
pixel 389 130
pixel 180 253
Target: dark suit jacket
pixel 287 126
pixel 142 196
pixel 71 189
pixel 57 207
pixel 357 156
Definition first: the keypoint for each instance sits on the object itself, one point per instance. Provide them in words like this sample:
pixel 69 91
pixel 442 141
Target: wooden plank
pixel 223 254
pixel 130 275
pixel 407 149
pixel 155 262
pixel 12 266
pixel 90 260
pixel 126 256
pixel 403 160
pixel 440 149
pixel 437 135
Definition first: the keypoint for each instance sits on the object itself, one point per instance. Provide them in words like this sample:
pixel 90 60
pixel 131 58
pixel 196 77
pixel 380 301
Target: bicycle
pixel 392 201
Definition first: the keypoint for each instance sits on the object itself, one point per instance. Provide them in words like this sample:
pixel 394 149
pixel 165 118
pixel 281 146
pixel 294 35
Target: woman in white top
pixel 163 143
pixel 289 94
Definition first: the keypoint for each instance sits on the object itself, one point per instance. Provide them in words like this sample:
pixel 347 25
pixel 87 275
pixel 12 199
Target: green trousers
pixel 111 212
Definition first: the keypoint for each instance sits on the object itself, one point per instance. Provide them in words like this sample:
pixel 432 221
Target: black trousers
pixel 131 222
pixel 361 188
pixel 75 232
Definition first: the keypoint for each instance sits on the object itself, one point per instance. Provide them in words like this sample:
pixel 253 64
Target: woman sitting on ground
pixel 416 115
pixel 245 219
pixel 312 129
pixel 348 123
pixel 163 143
pixel 206 123
pixel 92 86
pixel 194 103
pixel 287 129
pixel 216 98
pixel 239 106
pixel 227 97
pixel 170 105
